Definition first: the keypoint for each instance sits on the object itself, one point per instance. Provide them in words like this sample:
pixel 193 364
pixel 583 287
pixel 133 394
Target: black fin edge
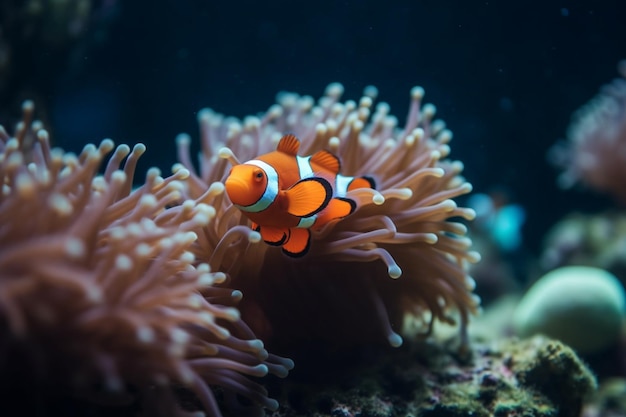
pixel 303 251
pixel 349 201
pixel 371 180
pixel 278 242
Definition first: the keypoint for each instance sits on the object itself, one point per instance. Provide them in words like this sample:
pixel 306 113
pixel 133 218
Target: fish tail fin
pixel 337 209
pixel 362 182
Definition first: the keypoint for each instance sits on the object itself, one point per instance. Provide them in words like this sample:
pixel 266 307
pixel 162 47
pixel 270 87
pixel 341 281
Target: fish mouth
pixel 238 191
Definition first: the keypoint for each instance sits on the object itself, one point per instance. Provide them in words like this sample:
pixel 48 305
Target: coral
pixel 495 321
pixel 609 401
pixel 99 292
pixel 537 377
pixel 401 251
pixel 578 305
pixel 588 239
pixel 595 153
pixel 496 235
pixel 499 219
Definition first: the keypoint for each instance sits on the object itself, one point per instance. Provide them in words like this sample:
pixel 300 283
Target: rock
pixel 609 400
pixel 536 377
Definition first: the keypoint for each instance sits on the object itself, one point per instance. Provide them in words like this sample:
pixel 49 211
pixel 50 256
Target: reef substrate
pixel 535 377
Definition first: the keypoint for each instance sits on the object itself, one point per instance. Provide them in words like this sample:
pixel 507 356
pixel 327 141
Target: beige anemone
pixel 402 251
pixel 99 291
pixel 595 152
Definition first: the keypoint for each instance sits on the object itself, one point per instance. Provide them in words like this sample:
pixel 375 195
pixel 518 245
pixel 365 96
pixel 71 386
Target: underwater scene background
pixel 394 311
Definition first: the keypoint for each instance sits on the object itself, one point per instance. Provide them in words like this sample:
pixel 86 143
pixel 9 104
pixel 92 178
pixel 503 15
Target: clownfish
pixel 285 194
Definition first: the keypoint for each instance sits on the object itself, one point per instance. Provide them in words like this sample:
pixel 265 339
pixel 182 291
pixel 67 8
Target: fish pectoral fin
pixel 289 144
pixel 308 196
pixel 362 182
pixel 326 160
pixel 298 243
pixel 274 236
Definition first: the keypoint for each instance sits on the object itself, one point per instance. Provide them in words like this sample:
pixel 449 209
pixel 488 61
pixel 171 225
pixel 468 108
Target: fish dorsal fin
pixel 289 144
pixel 327 160
pixel 308 196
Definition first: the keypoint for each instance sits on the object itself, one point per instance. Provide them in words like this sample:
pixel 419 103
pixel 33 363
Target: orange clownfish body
pixel 285 194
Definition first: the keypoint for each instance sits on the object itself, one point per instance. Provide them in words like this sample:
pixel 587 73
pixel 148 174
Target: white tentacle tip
pixel 225 153
pixel 216 188
pixel 254 237
pixel 473 256
pixel 378 199
pixel 183 139
pixel 417 93
pixel 288 363
pixel 256 345
pixel 394 271
pixel 271 404
pixel 395 340
pixel 231 314
pixel 431 238
pixel 259 370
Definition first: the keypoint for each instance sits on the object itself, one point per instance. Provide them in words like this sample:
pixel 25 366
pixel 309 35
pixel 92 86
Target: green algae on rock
pixel 554 370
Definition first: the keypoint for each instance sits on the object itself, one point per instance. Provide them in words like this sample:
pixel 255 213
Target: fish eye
pixel 258 175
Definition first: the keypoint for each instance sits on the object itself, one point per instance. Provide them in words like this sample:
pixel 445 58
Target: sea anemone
pixel 99 291
pixel 595 153
pixel 402 253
